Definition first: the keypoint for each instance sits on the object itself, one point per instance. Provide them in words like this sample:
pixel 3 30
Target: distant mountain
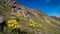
pixel 55 18
pixel 32 21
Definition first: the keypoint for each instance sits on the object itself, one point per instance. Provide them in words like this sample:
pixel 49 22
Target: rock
pixel 1 19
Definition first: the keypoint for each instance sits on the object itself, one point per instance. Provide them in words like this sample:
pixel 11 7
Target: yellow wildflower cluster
pixel 19 15
pixel 39 26
pixel 13 24
pixel 31 23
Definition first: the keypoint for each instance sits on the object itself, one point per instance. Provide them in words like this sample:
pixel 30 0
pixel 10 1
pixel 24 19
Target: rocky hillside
pixel 17 19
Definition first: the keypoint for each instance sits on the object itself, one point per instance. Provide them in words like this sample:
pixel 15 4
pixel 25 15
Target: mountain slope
pixel 30 21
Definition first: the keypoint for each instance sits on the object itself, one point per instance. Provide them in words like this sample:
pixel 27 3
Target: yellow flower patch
pixel 19 15
pixel 13 24
pixel 10 25
pixel 12 21
pixel 30 20
pixel 31 23
pixel 17 26
pixel 40 25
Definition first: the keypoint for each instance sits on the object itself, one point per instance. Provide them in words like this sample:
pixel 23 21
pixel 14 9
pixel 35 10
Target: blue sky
pixel 50 7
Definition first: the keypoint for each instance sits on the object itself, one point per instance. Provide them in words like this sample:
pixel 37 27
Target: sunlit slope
pixel 26 20
pixel 47 24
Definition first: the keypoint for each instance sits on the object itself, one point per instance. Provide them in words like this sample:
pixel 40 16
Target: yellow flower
pixel 18 25
pixel 19 15
pixel 31 25
pixel 40 25
pixel 13 24
pixel 9 21
pixel 10 25
pixel 12 21
pixel 31 21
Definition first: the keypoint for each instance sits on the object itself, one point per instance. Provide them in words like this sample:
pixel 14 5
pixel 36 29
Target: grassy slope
pixel 41 24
